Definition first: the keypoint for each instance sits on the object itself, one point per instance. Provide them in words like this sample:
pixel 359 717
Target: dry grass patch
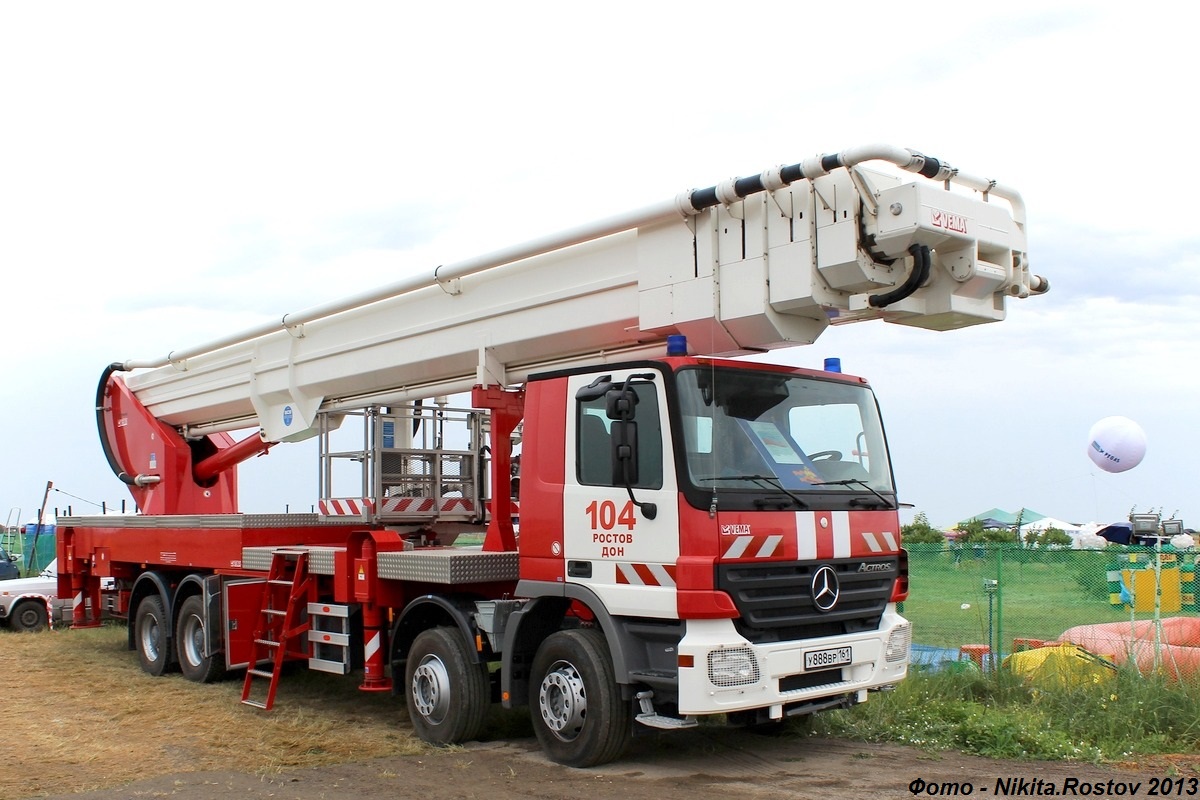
pixel 79 714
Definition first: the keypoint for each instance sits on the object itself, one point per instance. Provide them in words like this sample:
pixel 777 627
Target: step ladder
pixel 283 624
pixel 329 637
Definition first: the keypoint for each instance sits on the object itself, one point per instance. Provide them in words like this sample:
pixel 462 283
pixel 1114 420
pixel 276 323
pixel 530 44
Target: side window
pixel 593 438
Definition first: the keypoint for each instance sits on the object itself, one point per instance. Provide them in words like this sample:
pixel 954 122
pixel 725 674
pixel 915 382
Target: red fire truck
pixel 666 531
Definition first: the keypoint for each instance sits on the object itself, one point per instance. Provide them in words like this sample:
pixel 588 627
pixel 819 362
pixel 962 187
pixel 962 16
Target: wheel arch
pixel 542 616
pixel 149 584
pixel 191 585
pixel 431 611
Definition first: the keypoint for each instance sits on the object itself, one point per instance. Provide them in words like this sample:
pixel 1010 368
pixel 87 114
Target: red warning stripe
pixel 346 506
pixel 645 574
pixel 768 546
pixel 425 505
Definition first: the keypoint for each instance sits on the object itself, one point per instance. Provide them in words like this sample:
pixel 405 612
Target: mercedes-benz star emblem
pixel 825 589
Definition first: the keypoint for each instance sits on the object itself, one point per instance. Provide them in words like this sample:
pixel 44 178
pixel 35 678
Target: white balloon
pixel 1116 444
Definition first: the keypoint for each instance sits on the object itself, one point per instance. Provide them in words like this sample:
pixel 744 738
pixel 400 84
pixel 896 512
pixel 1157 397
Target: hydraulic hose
pixel 121 474
pixel 922 262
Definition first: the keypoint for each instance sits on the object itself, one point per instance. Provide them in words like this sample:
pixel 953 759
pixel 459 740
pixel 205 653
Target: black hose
pixel 922 263
pixel 124 476
pixel 701 199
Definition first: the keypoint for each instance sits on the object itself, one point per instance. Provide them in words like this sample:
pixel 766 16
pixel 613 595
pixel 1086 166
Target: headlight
pixel 735 667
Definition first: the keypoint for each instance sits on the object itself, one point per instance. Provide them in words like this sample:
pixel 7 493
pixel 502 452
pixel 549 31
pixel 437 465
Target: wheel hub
pixel 193 641
pixel 150 639
pixel 562 701
pixel 431 689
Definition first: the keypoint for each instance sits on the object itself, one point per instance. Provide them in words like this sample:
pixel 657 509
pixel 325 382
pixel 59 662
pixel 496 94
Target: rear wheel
pixel 30 616
pixel 447 691
pixel 190 635
pixel 578 714
pixel 150 627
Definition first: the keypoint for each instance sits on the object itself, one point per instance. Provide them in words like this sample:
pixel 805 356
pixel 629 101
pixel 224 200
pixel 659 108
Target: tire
pixel 575 703
pixel 30 616
pixel 447 691
pixel 150 636
pixel 189 644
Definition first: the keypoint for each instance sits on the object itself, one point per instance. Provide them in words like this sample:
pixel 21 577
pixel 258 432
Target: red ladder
pixel 283 622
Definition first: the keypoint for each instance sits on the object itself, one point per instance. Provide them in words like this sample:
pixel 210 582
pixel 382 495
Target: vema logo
pixel 951 222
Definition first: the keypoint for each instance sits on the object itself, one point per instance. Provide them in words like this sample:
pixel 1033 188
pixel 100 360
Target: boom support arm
pixel 749 264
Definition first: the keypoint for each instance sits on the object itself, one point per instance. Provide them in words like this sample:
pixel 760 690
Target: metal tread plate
pixel 450 565
pixel 210 521
pixel 320 558
pixel 447 565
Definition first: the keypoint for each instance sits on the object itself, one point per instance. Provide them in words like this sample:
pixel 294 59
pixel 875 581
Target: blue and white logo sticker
pixel 287 416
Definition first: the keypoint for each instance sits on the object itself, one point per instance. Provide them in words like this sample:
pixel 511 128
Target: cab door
pixel 620 514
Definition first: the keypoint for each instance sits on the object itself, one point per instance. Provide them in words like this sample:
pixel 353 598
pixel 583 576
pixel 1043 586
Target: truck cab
pixel 748 510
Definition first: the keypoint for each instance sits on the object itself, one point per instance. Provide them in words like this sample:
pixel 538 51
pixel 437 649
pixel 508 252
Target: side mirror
pixel 625 462
pixel 624 453
pixel 621 404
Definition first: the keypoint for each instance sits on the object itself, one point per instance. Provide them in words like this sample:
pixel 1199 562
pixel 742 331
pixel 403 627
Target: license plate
pixel 834 656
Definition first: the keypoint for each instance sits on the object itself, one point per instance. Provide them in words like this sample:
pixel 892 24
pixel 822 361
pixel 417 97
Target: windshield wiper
pixel 771 482
pixel 854 501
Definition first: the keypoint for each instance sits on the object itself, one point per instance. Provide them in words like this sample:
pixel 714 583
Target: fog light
pixel 732 667
pixel 897 644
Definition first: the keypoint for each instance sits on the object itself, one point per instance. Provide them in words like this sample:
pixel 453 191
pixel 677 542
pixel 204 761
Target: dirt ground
pixel 701 764
pixel 119 733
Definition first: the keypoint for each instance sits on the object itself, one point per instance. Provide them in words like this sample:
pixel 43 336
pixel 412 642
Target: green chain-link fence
pixel 1007 598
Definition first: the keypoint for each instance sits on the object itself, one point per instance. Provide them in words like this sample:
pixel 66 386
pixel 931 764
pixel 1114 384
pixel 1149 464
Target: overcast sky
pixel 172 173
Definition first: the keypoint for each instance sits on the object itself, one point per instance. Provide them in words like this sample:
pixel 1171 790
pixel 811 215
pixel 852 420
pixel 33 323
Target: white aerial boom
pixel 750 264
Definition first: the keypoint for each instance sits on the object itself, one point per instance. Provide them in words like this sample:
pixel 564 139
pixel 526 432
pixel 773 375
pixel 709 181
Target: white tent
pixel 1050 522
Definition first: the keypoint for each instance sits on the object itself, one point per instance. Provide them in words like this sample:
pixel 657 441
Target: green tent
pixel 1006 518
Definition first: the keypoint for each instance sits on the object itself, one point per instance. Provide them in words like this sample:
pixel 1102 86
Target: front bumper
pixel 731 674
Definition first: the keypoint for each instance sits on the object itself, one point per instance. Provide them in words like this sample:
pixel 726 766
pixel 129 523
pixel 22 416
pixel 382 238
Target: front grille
pixel 775 599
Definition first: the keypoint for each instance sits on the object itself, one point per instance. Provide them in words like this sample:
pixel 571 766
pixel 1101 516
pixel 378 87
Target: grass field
pixel 1038 596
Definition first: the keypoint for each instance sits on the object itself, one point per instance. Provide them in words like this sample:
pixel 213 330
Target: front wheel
pixel 578 714
pixel 190 644
pixel 150 627
pixel 30 616
pixel 448 693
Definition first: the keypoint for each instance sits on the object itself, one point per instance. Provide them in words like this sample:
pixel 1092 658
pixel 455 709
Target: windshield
pixel 756 431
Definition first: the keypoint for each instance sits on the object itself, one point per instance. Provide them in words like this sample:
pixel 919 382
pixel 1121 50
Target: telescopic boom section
pixel 750 264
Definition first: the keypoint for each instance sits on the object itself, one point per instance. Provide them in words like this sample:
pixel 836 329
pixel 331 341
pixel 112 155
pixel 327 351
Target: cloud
pixel 171 175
